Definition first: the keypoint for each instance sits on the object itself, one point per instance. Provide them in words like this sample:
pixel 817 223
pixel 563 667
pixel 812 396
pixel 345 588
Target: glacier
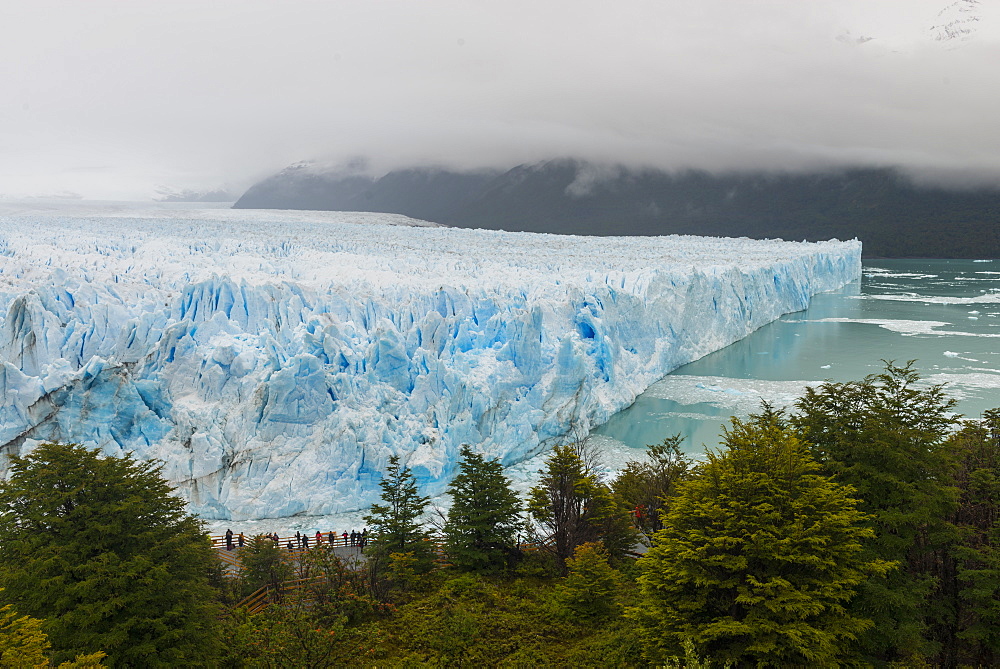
pixel 275 360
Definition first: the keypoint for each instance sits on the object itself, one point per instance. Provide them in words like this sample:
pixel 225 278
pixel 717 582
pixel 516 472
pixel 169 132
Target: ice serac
pixel 275 361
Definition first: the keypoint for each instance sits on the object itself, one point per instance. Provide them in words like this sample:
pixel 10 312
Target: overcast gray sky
pixel 112 99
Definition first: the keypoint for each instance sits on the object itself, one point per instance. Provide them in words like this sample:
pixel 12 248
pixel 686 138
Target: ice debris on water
pixel 275 361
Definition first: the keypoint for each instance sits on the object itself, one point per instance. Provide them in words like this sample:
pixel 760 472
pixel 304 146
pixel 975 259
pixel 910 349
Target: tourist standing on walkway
pixel 240 541
pixel 229 540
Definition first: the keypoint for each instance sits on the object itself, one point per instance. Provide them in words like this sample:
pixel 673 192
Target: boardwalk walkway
pixel 342 548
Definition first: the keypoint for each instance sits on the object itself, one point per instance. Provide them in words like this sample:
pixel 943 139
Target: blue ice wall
pixel 274 364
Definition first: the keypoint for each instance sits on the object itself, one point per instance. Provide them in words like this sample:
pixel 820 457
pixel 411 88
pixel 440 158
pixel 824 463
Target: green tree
pixel 887 436
pixel 24 644
pixel 263 563
pixel 481 530
pixel 645 486
pixel 591 586
pixel 103 552
pixel 970 567
pixel 339 588
pixel 290 636
pixel 758 556
pixel 395 525
pixel 573 507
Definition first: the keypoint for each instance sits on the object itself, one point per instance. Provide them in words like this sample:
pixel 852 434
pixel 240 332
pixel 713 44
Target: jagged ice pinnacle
pixel 274 360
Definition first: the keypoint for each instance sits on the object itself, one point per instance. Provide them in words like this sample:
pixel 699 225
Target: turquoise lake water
pixel 945 314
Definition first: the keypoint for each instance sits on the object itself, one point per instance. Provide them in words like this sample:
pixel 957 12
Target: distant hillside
pixel 892 216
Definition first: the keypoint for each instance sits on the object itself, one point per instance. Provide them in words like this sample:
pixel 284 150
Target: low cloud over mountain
pixel 892 214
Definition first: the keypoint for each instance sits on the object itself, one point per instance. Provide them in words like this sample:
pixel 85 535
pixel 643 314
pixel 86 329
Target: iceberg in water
pixel 275 360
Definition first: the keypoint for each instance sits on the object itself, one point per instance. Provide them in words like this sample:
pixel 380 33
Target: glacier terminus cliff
pixel 275 360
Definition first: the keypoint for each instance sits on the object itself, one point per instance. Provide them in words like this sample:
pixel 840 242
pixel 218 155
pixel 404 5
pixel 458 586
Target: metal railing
pixel 338 541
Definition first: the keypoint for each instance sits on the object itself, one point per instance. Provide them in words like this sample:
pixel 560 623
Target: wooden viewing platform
pixel 231 558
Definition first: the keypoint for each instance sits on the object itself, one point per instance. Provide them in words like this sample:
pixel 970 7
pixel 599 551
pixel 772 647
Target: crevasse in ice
pixel 275 361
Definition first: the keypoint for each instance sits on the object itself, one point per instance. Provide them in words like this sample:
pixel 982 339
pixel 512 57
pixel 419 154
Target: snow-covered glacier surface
pixel 275 360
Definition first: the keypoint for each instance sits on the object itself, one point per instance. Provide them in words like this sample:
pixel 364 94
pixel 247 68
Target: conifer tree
pixel 758 556
pixel 23 643
pixel 887 436
pixel 103 552
pixel 591 586
pixel 481 530
pixel 970 567
pixel 395 525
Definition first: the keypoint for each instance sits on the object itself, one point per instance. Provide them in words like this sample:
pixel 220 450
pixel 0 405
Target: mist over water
pixel 945 314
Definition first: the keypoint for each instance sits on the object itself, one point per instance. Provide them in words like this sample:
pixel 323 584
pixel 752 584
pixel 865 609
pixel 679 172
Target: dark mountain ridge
pixel 893 216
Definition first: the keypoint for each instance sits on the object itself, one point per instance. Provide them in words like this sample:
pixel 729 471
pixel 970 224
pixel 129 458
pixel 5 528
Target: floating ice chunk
pixel 985 298
pixel 905 328
pixel 958 356
pixel 690 390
